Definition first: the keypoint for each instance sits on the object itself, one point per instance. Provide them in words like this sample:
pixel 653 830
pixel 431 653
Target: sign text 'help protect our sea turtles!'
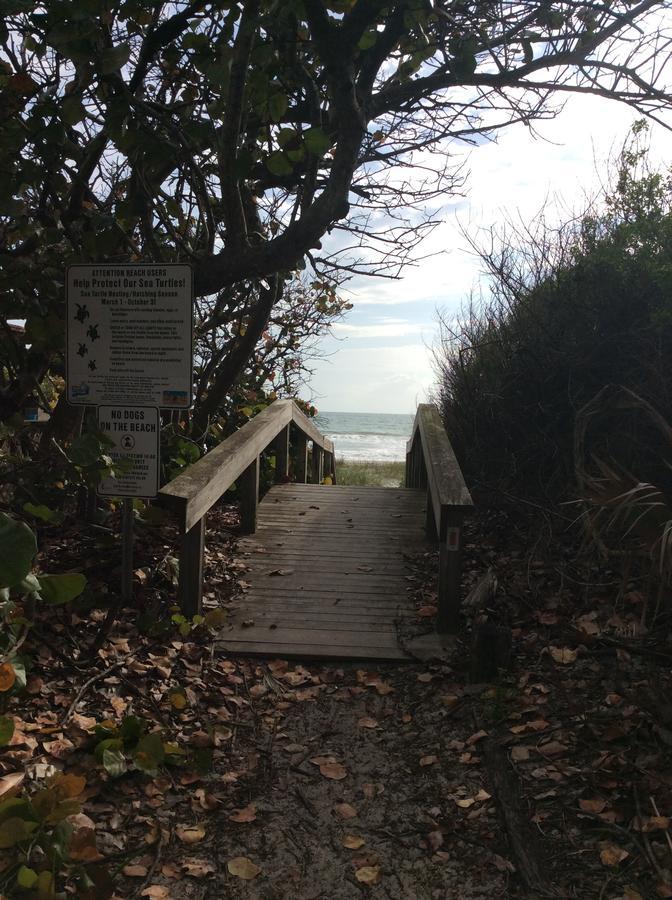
pixel 129 334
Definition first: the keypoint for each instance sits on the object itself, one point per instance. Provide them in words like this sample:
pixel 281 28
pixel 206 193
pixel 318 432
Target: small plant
pixel 45 847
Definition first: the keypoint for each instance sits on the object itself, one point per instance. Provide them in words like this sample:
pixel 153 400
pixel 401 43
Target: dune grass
pixel 383 474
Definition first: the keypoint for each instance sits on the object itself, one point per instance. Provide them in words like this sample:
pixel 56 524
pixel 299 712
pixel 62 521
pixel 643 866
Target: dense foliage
pixel 570 312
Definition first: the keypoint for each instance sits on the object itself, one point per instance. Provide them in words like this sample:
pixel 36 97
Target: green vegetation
pixel 383 474
pixel 558 388
pixel 569 312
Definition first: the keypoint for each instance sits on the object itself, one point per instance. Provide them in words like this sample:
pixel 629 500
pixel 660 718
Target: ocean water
pixel 367 436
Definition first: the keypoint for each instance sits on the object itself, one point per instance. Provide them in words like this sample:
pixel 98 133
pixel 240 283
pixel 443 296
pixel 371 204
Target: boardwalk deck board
pixel 344 588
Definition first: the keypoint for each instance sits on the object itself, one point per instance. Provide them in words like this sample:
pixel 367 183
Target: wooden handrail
pixel 236 460
pixel 431 463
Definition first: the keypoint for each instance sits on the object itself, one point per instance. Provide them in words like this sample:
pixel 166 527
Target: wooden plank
pixel 301 458
pixel 331 650
pixel 280 446
pixel 354 638
pixel 248 490
pixel 190 584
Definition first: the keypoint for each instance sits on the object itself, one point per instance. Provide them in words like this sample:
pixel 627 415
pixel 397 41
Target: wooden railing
pixel 431 464
pixel 282 427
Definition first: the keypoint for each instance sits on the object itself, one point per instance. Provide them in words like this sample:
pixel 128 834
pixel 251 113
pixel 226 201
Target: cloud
pixel 383 379
pixel 399 328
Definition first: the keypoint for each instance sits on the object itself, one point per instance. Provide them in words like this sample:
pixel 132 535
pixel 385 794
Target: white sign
pixel 129 334
pixel 135 432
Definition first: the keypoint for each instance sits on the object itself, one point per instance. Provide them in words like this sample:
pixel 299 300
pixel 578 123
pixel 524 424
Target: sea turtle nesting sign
pixel 129 334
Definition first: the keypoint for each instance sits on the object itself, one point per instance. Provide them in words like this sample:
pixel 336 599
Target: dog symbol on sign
pixel 128 442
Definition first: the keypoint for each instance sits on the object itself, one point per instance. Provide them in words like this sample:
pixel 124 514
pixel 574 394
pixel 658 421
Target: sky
pixel 379 357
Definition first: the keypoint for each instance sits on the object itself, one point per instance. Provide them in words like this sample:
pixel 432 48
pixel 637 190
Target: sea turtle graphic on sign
pixel 82 313
pixel 92 365
pixel 82 350
pixel 92 332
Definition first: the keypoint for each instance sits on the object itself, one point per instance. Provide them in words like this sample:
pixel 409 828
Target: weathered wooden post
pixel 301 458
pixel 430 519
pixel 281 449
pixel 317 463
pixel 450 575
pixel 248 495
pixel 190 584
pixel 329 469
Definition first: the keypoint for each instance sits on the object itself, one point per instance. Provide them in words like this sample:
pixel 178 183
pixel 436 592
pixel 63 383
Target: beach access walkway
pixel 328 564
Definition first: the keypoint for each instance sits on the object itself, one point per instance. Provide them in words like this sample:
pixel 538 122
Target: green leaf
pixel 278 164
pixel 42 512
pixel 112 59
pixel 85 450
pixel 58 589
pixel 15 830
pixel 114 762
pixel 16 807
pixel 46 889
pixel 150 753
pixel 131 729
pixel 26 878
pixel 317 141
pixel 19 674
pixel 277 106
pixel 17 549
pixel 6 730
pixel 368 39
pixel 72 111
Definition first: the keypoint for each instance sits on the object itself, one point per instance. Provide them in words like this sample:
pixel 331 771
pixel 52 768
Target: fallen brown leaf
pixel 367 722
pixel 345 811
pixel 611 855
pixel 353 841
pixel 368 874
pixel 191 835
pixel 246 814
pixel 333 770
pixel 243 867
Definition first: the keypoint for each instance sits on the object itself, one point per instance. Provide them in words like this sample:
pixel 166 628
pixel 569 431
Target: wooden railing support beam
pixel 301 458
pixel 248 494
pixel 190 584
pixel 430 520
pixel 450 577
pixel 317 463
pixel 329 467
pixel 281 448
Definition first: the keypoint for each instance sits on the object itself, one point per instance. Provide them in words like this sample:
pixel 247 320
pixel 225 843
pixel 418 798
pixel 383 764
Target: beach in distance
pixel 367 437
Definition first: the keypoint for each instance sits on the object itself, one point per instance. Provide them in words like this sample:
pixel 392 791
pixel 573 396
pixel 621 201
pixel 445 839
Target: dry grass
pixel 383 474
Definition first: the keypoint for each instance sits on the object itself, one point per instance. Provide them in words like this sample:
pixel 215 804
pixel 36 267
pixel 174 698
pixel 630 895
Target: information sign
pixel 129 335
pixel 135 431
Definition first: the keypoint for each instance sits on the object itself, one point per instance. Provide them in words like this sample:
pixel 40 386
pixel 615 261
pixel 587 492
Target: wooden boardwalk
pixel 327 574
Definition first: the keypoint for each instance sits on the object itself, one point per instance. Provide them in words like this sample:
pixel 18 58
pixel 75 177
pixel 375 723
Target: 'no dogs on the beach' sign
pixel 135 433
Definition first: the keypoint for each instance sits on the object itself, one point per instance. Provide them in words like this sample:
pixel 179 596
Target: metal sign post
pixel 127 550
